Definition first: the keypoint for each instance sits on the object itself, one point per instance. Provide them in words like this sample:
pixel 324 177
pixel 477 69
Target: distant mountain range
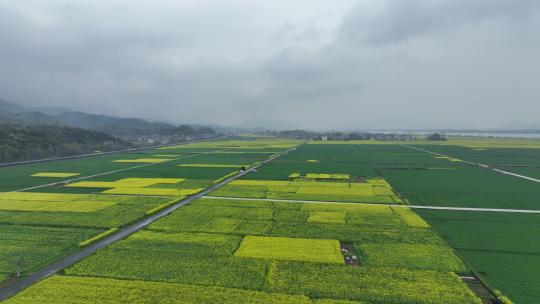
pixel 42 132
pixel 14 113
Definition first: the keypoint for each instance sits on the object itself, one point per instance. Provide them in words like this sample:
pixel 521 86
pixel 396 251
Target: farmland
pixel 325 223
pixel 70 202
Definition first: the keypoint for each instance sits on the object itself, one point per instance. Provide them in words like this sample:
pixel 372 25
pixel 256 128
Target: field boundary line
pixel 381 204
pixel 476 164
pixel 124 232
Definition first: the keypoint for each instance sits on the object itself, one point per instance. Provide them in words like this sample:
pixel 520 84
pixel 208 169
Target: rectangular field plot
pixel 370 284
pixel 54 174
pixel 141 160
pixel 374 190
pixel 291 249
pixel 73 206
pixel 515 274
pixel 74 210
pixel 503 247
pixel 430 257
pixel 68 290
pixel 153 191
pixel 196 261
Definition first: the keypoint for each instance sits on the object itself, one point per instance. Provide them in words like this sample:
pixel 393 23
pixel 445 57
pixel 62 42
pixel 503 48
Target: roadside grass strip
pixel 53 206
pixel 211 165
pixel 418 256
pixel 68 290
pixel 54 174
pixel 98 237
pixel 291 249
pixel 225 177
pixel 294 175
pixel 163 206
pixel 141 160
pixel 153 191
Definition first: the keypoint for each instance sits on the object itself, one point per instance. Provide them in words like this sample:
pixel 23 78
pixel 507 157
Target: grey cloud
pixel 394 21
pixel 371 64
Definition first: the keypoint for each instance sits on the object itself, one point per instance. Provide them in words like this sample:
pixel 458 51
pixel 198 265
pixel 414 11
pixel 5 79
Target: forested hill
pixel 127 128
pixel 43 141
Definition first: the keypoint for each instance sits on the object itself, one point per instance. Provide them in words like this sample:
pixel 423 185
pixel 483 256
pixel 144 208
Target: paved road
pixel 122 233
pixel 380 204
pixel 477 164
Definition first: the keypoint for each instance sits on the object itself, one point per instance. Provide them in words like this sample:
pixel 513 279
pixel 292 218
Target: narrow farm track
pixel 477 164
pixel 380 204
pixel 67 261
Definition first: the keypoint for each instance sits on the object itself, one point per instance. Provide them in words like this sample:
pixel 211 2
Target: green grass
pixel 503 248
pixel 98 237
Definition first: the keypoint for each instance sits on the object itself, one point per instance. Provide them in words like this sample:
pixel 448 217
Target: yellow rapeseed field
pixel 54 174
pixel 291 249
pixel 141 160
pixel 52 206
pixel 153 191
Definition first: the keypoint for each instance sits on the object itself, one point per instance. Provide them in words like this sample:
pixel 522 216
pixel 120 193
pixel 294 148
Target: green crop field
pixel 325 223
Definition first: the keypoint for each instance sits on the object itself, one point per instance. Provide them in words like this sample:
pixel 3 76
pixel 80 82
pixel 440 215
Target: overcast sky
pixel 319 64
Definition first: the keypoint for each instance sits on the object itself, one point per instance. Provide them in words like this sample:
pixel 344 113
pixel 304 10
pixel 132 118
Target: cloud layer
pixel 281 64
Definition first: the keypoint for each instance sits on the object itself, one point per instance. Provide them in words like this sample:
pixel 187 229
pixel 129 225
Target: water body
pixel 474 134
